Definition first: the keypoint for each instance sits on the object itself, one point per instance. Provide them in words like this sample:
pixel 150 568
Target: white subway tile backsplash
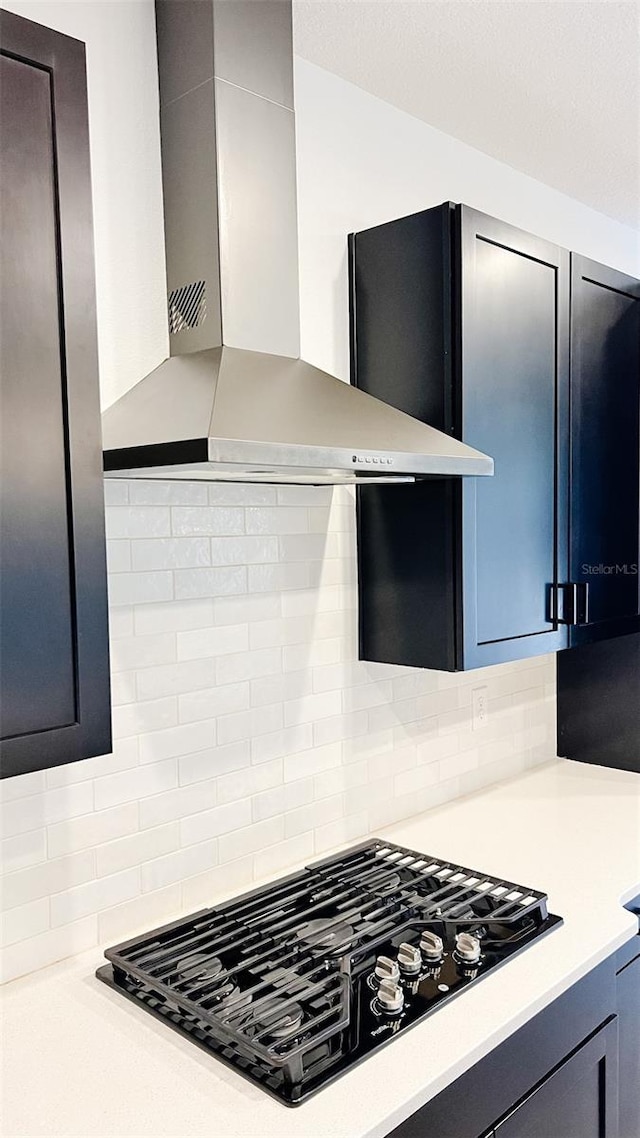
pixel 283 854
pixel 124 853
pixel 248 665
pixel 243 550
pixel 239 494
pixel 312 762
pixel 116 492
pixel 248 736
pixel 38 951
pixel 212 702
pixel 249 609
pixel 215 641
pixel 94 896
pixel 341 832
pixel 304 819
pixel 282 799
pixel 277 743
pixel 174 867
pixel 118 556
pixel 249 724
pixel 215 582
pixel 247 781
pixel 39 810
pixel 272 578
pixel 170 552
pixel 133 521
pixel 23 850
pixel 312 707
pixel 155 493
pixel 22 786
pixel 47 878
pixel 211 823
pixel 140 588
pixel 220 883
pixel 90 831
pixel 132 785
pixel 24 922
pixel 213 761
pixel 213 520
pixel 175 679
pixel 260 836
pixel 177 741
pixel 176 616
pixel 141 913
pixel 178 803
pixel 147 715
pixel 284 519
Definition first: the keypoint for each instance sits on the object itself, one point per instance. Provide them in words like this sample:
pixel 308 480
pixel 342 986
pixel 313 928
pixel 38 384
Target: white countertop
pixel 78 1059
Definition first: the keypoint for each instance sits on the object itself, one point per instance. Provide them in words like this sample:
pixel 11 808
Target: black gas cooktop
pixel 294 983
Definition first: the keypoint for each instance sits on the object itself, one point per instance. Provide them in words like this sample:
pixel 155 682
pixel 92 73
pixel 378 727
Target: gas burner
pixel 230 995
pixel 199 967
pixel 389 885
pixel 282 1019
pixel 325 936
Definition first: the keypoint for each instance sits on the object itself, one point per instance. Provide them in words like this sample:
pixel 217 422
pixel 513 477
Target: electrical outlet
pixel 480 703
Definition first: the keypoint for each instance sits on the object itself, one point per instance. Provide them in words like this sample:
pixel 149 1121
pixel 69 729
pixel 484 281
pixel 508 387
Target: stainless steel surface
pixel 190 191
pixel 468 947
pixel 409 959
pixel 258 222
pixel 431 945
pixel 253 47
pixel 387 969
pixel 390 996
pixel 250 409
pixel 234 401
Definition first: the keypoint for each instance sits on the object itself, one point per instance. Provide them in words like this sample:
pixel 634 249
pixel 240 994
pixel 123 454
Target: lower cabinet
pixel 579 1098
pixel 628 1007
pixel 558 1076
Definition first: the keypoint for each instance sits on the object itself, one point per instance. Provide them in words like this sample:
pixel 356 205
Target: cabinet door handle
pixel 581 610
pixel 570 603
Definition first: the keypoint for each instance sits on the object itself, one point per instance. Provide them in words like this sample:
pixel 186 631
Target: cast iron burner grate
pixel 281 983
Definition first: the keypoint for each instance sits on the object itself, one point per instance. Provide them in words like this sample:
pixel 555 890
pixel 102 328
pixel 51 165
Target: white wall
pixel 362 162
pixel 247 735
pixel 122 81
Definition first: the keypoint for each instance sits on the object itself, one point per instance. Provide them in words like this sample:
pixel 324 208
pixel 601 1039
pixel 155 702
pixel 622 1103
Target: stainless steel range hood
pixel 234 400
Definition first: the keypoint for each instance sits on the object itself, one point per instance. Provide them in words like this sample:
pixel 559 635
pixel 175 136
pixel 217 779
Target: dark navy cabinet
pixel 605 451
pixel 471 325
pixel 54 671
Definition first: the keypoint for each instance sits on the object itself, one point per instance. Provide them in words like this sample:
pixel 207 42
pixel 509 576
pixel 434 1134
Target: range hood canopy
pixel 234 401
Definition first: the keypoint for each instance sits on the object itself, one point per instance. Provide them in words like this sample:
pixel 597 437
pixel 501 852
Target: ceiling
pixel 551 87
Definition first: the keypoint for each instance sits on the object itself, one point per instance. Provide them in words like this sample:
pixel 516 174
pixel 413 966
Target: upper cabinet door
pixel 54 671
pixel 605 472
pixel 514 370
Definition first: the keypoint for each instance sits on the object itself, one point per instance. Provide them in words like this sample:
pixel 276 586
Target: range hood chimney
pixel 234 401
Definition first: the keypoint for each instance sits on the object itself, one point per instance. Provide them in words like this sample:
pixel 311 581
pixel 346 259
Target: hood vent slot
pixel 187 307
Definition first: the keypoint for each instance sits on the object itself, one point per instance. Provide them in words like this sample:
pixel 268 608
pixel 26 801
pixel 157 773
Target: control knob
pixel 431 945
pixel 468 948
pixel 409 959
pixel 390 996
pixel 387 969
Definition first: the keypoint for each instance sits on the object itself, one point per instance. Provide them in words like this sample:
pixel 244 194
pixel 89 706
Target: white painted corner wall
pixel 247 735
